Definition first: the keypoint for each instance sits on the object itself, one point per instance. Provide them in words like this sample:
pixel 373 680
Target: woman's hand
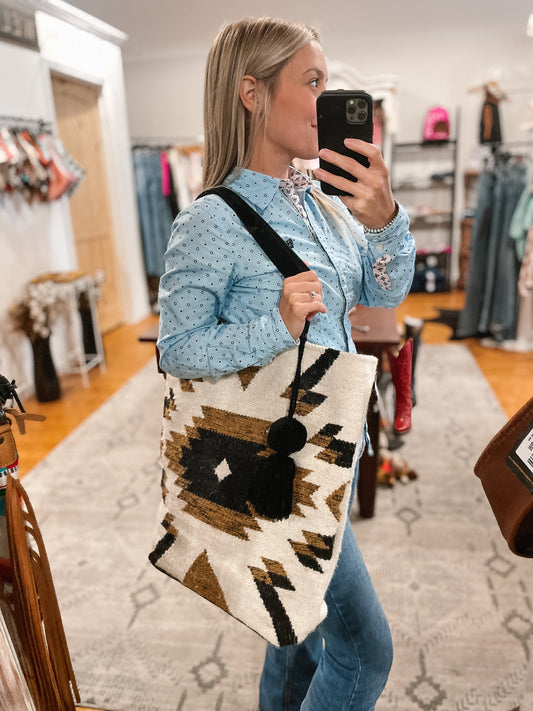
pixel 301 299
pixel 370 199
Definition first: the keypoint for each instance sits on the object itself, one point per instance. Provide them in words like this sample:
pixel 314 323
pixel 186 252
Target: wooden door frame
pixel 78 108
pixel 126 233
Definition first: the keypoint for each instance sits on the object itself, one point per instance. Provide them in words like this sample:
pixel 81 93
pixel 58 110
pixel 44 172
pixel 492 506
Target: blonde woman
pixel 224 306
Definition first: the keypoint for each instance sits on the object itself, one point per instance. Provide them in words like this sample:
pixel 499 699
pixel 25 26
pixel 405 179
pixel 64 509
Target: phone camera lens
pixel 361 104
pixel 351 109
pixel 361 115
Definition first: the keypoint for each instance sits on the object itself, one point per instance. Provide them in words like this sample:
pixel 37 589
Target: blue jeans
pixel 491 304
pixel 468 322
pixel 155 213
pixel 504 314
pixel 344 664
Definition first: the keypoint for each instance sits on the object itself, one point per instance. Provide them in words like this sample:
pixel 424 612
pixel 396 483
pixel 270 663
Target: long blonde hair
pixel 259 47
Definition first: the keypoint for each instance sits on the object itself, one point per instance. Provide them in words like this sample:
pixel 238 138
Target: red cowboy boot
pixel 401 371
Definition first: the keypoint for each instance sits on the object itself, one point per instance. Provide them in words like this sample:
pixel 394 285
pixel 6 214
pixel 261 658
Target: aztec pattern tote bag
pixel 268 564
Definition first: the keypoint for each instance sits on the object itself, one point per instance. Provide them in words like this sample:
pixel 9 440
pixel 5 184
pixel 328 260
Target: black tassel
pixel 271 487
pixel 272 483
pixel 287 435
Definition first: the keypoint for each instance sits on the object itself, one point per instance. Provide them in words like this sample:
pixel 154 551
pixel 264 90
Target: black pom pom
pixel 271 487
pixel 286 435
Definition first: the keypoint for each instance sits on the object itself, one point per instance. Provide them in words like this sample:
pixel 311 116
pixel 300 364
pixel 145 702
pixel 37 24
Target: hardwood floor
pixel 509 374
pixel 125 356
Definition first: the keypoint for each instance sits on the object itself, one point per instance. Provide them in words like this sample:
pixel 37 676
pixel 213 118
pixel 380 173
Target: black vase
pixel 44 372
pixel 89 341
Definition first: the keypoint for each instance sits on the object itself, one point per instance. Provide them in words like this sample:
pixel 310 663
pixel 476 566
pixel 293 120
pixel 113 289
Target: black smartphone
pixel 343 114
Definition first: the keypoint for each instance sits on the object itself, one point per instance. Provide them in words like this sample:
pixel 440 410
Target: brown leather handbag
pixel 505 468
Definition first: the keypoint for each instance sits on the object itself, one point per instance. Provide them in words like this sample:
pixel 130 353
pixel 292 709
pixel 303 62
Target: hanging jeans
pixel 497 227
pixel 344 664
pixel 468 322
pixel 155 212
pixel 491 299
pixel 504 313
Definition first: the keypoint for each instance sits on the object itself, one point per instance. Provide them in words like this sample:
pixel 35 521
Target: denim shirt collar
pixel 259 189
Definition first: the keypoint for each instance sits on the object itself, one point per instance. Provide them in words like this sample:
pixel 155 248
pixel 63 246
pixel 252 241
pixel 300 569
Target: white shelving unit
pixel 423 181
pixel 76 306
pixel 84 356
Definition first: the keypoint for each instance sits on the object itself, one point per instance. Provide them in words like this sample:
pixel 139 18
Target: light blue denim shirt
pixel 219 295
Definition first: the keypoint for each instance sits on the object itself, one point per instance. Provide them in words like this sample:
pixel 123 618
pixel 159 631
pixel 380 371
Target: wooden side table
pixel 150 336
pixel 373 331
pixel 464 252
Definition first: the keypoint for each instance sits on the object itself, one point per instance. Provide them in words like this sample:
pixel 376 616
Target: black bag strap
pixel 280 254
pixel 271 489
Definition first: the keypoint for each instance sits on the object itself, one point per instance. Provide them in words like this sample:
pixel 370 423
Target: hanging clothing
pixel 35 165
pixel 491 305
pixel 468 321
pixel 167 180
pixel 489 127
pixel 169 188
pixel 499 310
pixel 522 221
pixel 186 172
pixel 155 210
pixel 179 176
pixel 524 331
pixel 525 278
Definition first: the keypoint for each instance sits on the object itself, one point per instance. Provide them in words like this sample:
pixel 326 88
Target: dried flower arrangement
pixel 34 313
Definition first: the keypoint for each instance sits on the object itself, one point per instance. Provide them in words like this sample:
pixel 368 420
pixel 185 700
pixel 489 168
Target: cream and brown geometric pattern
pixel 270 574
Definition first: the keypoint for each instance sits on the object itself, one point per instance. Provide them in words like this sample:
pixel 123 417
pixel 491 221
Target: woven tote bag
pixel 266 564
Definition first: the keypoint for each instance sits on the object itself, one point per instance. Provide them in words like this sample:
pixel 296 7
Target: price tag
pixel 520 460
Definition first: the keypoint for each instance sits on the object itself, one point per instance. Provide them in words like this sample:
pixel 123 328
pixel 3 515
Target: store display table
pixel 373 331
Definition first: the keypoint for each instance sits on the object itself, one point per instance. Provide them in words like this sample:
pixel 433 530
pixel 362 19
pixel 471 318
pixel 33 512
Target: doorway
pixel 79 127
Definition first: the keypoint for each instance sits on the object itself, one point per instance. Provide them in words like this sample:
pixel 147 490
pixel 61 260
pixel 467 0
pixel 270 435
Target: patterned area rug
pixel 459 603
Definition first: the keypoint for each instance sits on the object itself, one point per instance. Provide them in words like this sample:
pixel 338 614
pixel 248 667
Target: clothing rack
pixel 168 176
pixel 506 151
pixel 25 122
pixel 164 142
pixel 510 144
pixel 491 304
pixel 39 165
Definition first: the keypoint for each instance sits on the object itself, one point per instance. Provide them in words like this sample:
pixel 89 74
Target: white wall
pixel 433 66
pixel 165 96
pixel 164 93
pixel 33 238
pixel 38 238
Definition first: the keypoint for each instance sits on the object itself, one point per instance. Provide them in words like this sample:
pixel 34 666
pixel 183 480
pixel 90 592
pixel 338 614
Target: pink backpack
pixel 436 125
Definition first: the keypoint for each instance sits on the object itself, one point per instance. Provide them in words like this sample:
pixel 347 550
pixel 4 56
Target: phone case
pixel 337 121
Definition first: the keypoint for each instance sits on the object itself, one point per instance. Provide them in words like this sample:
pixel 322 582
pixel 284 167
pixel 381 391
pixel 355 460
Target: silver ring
pixel 313 295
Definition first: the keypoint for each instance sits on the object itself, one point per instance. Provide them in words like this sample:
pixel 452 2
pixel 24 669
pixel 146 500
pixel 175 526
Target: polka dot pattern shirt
pixel 219 295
